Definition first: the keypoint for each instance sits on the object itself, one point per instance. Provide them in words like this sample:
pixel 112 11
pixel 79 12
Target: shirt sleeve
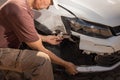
pixel 22 23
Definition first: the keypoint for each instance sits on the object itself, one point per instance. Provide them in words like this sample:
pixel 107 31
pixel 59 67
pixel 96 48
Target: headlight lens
pixel 89 28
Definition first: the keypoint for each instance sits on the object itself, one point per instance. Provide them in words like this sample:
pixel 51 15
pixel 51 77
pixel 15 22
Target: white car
pixel 96 24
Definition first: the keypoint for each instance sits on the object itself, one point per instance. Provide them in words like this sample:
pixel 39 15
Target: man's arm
pixel 23 28
pixel 37 45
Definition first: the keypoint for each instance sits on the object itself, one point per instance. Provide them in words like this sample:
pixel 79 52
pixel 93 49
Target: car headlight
pixel 88 28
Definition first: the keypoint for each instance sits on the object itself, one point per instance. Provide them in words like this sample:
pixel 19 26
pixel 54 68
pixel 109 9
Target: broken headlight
pixel 88 28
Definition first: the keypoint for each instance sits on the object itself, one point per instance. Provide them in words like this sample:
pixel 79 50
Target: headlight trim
pixel 89 28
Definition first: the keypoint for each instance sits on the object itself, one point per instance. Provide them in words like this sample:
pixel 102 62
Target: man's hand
pixel 54 40
pixel 71 68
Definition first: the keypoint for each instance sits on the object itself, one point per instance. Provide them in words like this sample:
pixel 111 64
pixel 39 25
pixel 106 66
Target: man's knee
pixel 43 55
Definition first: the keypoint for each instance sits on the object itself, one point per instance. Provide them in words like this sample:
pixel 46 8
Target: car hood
pixel 100 11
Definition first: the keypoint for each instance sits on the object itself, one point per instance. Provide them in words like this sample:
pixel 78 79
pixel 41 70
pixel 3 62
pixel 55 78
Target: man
pixel 16 26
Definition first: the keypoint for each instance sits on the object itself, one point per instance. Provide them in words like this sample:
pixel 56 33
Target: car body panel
pixel 101 11
pixel 98 45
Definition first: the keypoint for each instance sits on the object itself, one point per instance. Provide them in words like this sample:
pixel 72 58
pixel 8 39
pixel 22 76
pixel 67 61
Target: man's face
pixel 40 4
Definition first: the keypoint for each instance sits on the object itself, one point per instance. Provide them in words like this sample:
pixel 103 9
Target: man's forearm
pixel 37 45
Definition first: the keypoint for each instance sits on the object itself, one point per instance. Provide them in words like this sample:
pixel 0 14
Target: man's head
pixel 40 4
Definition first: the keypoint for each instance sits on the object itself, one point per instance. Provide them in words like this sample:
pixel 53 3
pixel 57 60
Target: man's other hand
pixel 54 40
